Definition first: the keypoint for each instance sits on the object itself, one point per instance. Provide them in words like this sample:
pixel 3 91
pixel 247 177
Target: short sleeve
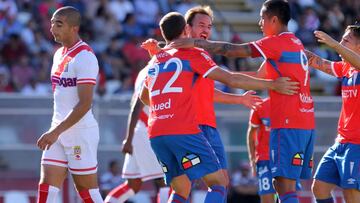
pixel 255 120
pixel 268 47
pixel 86 68
pixel 202 63
pixel 338 68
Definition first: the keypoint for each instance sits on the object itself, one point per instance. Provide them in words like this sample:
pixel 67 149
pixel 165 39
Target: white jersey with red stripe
pixel 71 67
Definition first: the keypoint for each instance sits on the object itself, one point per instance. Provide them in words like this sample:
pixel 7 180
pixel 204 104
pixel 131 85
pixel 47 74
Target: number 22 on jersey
pixel 154 71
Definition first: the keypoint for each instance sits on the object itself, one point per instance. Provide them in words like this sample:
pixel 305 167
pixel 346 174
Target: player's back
pixel 262 147
pixel 172 76
pixel 285 57
pixel 205 102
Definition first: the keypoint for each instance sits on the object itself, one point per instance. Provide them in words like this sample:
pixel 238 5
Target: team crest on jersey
pixel 298 159
pixel 77 152
pixel 190 160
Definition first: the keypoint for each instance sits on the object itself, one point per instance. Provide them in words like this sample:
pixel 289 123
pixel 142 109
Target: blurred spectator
pixel 5 80
pixel 120 8
pixel 185 5
pixel 111 178
pixel 34 88
pixel 243 185
pixel 147 14
pixel 22 72
pixel 13 49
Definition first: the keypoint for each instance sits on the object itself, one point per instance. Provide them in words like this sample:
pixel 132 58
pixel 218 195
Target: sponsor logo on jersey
pixel 161 106
pixel 304 98
pixel 349 93
pixel 65 82
pixel 190 160
pixel 298 159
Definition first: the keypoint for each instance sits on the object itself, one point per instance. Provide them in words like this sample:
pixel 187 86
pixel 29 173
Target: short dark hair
pixel 191 13
pixel 278 8
pixel 172 25
pixel 355 30
pixel 73 16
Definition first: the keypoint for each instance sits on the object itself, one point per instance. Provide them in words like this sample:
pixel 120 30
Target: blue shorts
pixel 214 139
pixel 185 154
pixel 340 165
pixel 291 153
pixel 264 177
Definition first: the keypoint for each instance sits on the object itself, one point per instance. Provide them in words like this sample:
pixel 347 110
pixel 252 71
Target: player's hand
pixel 127 147
pixel 250 100
pixel 284 85
pixel 182 43
pixel 326 39
pixel 47 139
pixel 151 45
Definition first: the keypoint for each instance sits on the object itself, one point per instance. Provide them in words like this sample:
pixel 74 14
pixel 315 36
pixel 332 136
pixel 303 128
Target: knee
pixel 217 178
pixel 135 184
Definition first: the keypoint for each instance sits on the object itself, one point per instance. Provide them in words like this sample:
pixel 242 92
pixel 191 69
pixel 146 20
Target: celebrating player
pixel 71 142
pixel 340 164
pixel 292 117
pixel 169 89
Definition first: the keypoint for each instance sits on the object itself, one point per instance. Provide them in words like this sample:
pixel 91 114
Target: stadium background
pixel 114 28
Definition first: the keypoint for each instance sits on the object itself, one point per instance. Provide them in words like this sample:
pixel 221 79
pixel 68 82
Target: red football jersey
pixel 171 83
pixel 260 118
pixel 205 102
pixel 285 57
pixel 348 129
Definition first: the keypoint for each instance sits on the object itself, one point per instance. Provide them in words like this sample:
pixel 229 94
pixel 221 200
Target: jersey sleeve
pixel 86 68
pixel 254 120
pixel 338 68
pixel 202 63
pixel 268 47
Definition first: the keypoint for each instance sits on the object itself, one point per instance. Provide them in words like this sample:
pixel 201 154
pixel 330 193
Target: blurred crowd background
pixel 115 28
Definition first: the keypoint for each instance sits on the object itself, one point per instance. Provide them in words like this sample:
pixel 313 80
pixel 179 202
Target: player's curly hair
pixel 191 13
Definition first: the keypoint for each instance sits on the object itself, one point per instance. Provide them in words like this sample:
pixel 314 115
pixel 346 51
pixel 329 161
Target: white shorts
pixel 142 163
pixel 76 149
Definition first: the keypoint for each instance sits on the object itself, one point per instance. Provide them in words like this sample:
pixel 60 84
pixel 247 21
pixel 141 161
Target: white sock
pixel 119 194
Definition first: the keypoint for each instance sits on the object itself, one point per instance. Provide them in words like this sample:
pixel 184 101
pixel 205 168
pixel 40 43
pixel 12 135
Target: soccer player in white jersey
pixel 140 162
pixel 72 140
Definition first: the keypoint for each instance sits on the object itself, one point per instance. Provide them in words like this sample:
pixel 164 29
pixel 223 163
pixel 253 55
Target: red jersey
pixel 348 129
pixel 205 102
pixel 285 57
pixel 261 119
pixel 171 83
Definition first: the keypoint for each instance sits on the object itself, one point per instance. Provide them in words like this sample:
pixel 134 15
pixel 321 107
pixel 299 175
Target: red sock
pixel 47 193
pixel 120 194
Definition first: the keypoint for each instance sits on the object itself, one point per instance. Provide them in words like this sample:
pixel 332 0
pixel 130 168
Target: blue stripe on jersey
pixel 290 57
pixel 354 80
pixel 172 67
pixel 273 63
pixel 266 121
pixel 196 76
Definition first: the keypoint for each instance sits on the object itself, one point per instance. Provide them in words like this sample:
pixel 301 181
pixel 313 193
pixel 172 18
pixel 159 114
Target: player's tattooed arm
pixel 224 48
pixel 319 63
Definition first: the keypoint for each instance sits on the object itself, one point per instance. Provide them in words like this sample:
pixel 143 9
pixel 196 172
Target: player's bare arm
pixel 222 48
pixel 144 96
pixel 282 85
pixel 248 99
pixel 349 55
pixel 319 63
pixel 135 109
pixel 250 140
pixel 85 93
